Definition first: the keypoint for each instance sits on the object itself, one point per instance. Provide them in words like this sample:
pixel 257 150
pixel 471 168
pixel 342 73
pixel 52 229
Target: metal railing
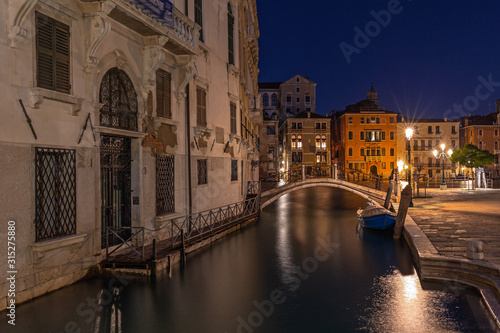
pixel 454 183
pixel 118 232
pixel 364 179
pixel 206 221
pixel 253 187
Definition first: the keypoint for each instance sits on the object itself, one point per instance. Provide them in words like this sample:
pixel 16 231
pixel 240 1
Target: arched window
pixel 496 145
pixel 274 99
pixel 480 145
pixel 294 141
pixel 119 101
pixel 318 141
pixel 265 99
pixel 299 141
pixel 323 141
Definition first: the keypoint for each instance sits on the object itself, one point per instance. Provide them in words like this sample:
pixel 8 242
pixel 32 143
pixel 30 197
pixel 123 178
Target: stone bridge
pixel 368 193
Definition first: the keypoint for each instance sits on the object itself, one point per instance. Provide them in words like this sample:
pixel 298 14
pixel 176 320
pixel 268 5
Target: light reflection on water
pixel 367 283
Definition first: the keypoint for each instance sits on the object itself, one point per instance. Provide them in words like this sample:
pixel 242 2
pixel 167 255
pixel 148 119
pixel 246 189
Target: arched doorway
pixel 373 170
pixel 119 110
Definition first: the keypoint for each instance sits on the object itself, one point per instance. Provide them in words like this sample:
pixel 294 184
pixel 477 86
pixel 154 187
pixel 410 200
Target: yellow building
pixel 364 138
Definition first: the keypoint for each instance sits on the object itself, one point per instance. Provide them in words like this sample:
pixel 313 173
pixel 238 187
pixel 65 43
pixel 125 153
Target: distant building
pixel 364 138
pixel 305 143
pixel 298 94
pixel 484 133
pixel 281 100
pixel 428 135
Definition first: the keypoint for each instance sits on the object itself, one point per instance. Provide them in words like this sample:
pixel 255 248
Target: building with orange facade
pixel 364 138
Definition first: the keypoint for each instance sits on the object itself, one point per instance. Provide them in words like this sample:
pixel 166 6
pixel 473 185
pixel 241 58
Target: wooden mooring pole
pixel 387 202
pixel 403 209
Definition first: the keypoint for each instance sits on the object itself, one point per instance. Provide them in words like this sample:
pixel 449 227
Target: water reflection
pixel 367 283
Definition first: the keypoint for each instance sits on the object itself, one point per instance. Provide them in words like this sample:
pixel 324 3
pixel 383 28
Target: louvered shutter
pixel 53 54
pixel 160 97
pixel 163 94
pixel 44 50
pixel 201 107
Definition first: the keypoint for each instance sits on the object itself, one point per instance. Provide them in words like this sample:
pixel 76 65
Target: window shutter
pixel 163 95
pixel 201 107
pixel 62 57
pixel 160 97
pixel 44 51
pixel 53 54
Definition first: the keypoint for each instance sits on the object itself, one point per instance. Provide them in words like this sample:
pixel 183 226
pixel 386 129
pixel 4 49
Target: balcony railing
pixel 185 29
pixel 373 158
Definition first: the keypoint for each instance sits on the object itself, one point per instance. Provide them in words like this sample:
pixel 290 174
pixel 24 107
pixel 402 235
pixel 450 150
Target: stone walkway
pixel 451 217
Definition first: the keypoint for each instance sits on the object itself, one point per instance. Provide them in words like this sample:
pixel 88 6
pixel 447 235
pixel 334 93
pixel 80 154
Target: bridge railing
pixel 206 221
pixel 364 179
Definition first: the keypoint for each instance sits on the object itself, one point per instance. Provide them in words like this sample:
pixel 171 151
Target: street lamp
pixel 442 155
pixel 409 134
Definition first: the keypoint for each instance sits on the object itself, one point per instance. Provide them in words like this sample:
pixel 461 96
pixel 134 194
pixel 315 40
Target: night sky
pixel 427 59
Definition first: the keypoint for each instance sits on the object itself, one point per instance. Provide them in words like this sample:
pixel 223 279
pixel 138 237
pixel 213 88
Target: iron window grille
pixel 165 184
pixel 52 54
pixel 55 188
pixel 234 170
pixel 119 101
pixel 202 172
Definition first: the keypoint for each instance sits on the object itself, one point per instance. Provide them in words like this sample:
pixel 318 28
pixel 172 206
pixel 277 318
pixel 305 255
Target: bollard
pixel 475 249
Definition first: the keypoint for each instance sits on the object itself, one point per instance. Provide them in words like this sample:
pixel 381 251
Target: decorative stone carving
pixel 97 27
pixel 153 58
pixel 19 12
pixel 182 74
pixel 37 96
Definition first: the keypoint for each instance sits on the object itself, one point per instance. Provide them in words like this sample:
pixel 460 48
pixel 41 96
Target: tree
pixel 472 157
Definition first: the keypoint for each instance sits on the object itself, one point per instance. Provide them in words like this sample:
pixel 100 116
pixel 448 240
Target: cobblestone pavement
pixel 452 216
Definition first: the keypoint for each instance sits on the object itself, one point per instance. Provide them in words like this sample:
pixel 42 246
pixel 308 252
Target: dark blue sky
pixel 427 59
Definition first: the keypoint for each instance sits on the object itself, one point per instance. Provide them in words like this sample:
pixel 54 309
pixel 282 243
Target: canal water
pixel 304 267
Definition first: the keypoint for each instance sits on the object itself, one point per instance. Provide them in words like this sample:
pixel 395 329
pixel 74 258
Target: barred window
pixel 163 94
pixel 55 190
pixel 201 107
pixel 202 172
pixel 119 99
pixel 233 118
pixel 165 184
pixel 52 54
pixel 234 170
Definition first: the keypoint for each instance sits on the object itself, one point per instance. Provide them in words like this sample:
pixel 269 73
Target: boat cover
pixel 375 211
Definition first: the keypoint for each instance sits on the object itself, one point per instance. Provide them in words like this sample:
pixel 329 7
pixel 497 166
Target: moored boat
pixel 376 217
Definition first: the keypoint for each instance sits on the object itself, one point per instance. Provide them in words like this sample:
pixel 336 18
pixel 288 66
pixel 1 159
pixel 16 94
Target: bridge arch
pixel 369 194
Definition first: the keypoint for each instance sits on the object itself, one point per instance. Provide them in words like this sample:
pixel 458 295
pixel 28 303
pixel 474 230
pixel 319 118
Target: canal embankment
pixel 437 229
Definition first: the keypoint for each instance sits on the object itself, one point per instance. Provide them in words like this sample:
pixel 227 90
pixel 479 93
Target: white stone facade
pixel 117 35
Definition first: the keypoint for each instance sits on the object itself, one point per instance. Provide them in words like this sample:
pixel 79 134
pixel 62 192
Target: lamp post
pixel 409 134
pixel 443 156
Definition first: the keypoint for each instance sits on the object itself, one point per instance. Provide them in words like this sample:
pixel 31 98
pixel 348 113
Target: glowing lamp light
pixel 442 146
pixel 450 152
pixel 409 133
pixel 435 152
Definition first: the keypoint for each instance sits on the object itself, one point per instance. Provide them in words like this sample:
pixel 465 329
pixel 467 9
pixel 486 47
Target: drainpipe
pixel 188 136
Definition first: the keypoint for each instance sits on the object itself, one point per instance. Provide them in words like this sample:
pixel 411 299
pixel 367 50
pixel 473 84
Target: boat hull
pixel 378 222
